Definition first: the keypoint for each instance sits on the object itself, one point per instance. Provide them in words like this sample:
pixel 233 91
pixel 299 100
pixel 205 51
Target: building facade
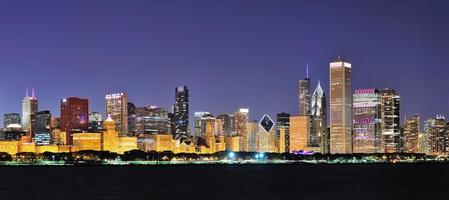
pixel 367 121
pixel 181 114
pixel 29 108
pixel 11 118
pixel 390 121
pixel 74 116
pixel 320 135
pixel 411 130
pixel 340 107
pixel 117 108
pixel 241 127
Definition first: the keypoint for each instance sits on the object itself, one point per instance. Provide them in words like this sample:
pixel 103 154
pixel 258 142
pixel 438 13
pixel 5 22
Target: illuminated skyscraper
pixel 299 133
pixel 340 107
pixel 228 124
pixel 283 124
pixel 117 108
pixel 74 116
pixel 390 121
pixel 304 95
pixel 438 134
pixel 181 113
pixel 318 132
pixel 151 120
pixel 241 127
pixel 11 118
pixel 29 108
pixel 411 130
pixel 199 123
pixel 367 121
pixel 41 128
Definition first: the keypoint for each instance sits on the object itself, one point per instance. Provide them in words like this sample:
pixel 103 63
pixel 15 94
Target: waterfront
pixel 282 181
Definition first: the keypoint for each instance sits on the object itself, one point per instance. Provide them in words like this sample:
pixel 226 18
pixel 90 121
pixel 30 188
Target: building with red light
pixel 74 116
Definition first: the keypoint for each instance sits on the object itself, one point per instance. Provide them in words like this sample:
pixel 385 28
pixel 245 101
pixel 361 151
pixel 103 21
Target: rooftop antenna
pixel 26 92
pixel 32 93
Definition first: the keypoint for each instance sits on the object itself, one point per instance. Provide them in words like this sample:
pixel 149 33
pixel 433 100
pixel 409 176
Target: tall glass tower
pixel 181 113
pixel 304 95
pixel 319 134
pixel 29 109
pixel 340 107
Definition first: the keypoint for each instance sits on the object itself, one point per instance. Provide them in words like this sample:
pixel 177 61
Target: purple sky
pixel 229 53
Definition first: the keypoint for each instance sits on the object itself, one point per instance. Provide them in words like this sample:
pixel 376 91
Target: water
pixel 361 182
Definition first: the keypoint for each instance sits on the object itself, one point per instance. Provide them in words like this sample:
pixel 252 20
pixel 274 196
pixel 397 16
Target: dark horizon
pixel 230 54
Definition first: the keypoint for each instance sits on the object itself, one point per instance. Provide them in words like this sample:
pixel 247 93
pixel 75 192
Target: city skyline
pixel 33 49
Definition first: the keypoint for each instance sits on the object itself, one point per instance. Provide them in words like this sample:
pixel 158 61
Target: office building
pixel 367 121
pixel 411 131
pixel 11 118
pixel 283 132
pixel 390 121
pixel 340 107
pixel 74 116
pixel 29 108
pixel 319 134
pixel 181 114
pixel 117 108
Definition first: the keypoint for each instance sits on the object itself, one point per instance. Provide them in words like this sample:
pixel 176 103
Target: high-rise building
pixel 367 121
pixel 340 107
pixel 42 122
pixel 438 133
pixel 299 133
pixel 228 124
pixel 151 120
pixel 241 127
pixel 304 95
pixel 29 108
pixel 318 132
pixel 181 113
pixel 266 135
pixel 117 108
pixel 74 116
pixel 283 132
pixel 199 123
pixel 131 119
pixel 11 118
pixel 95 122
pixel 390 121
pixel 411 131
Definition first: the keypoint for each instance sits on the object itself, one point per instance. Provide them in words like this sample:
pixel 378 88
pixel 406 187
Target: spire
pixel 26 92
pixel 307 71
pixel 318 91
pixel 32 93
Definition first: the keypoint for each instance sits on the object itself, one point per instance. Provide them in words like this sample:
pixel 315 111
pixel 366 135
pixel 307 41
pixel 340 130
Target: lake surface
pixel 361 182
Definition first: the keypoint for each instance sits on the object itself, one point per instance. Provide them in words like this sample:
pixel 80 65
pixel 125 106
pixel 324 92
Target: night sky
pixel 230 53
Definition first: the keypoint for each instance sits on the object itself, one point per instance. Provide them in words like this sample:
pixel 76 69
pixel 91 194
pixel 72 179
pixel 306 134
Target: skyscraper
pixel 411 130
pixel 340 107
pixel 131 118
pixel 283 124
pixel 74 116
pixel 181 113
pixel 367 121
pixel 199 123
pixel 390 121
pixel 29 108
pixel 228 124
pixel 11 118
pixel 319 120
pixel 304 95
pixel 241 127
pixel 41 128
pixel 299 133
pixel 152 120
pixel 438 134
pixel 117 108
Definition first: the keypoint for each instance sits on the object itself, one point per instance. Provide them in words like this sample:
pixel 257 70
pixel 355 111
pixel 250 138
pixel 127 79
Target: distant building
pixel 283 132
pixel 29 108
pixel 198 123
pixel 131 119
pixel 390 121
pixel 319 133
pixel 304 95
pixel 241 127
pixel 74 116
pixel 117 108
pixel 367 121
pixel 438 133
pixel 152 120
pixel 95 122
pixel 228 124
pixel 299 133
pixel 340 107
pixel 11 118
pixel 411 131
pixel 181 114
pixel 42 128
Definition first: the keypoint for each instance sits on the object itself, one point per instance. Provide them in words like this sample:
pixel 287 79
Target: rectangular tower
pixel 117 108
pixel 340 107
pixel 390 121
pixel 367 121
pixel 74 116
